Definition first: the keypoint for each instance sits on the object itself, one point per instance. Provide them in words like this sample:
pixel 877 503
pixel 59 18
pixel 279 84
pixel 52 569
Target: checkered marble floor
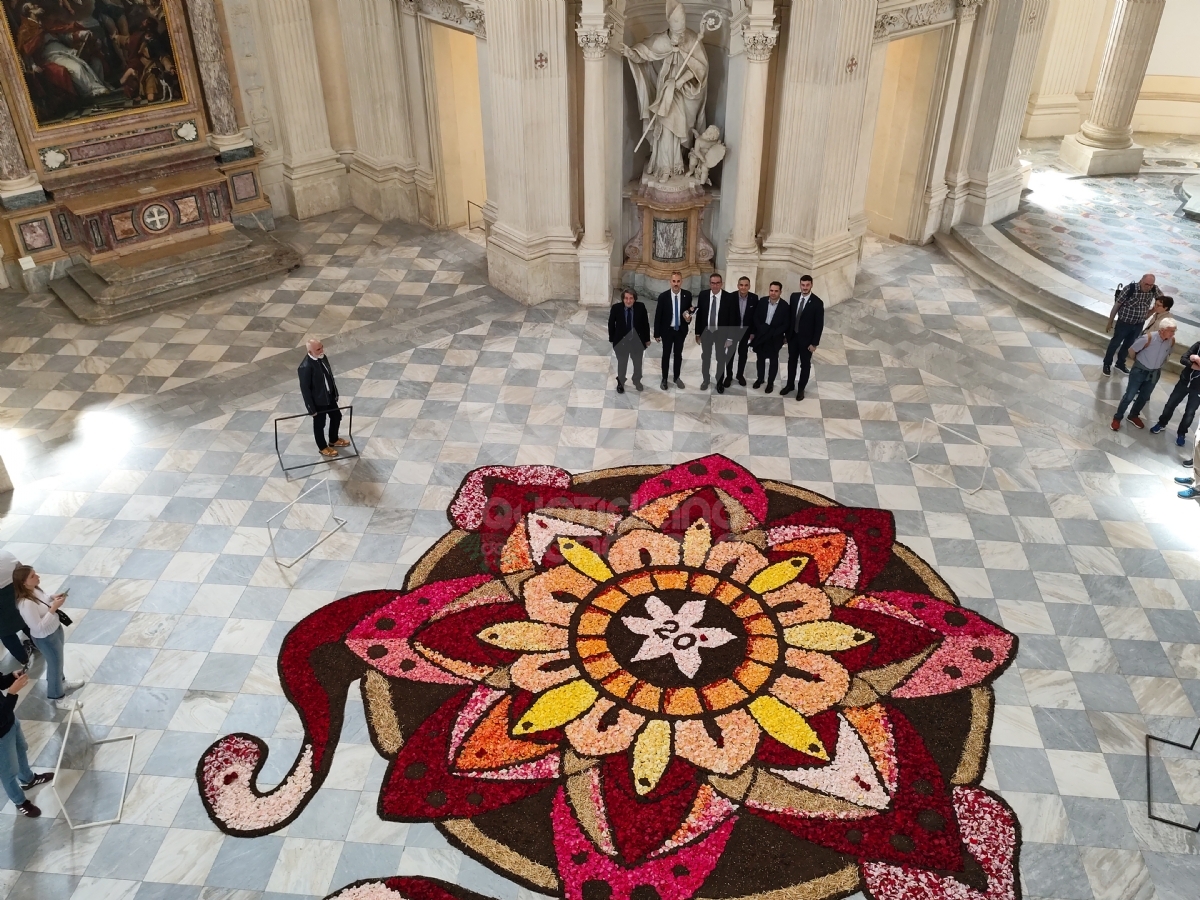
pixel 158 522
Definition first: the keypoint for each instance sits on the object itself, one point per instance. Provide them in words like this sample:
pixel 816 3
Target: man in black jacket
pixel 671 318
pixel 320 393
pixel 629 333
pixel 710 316
pixel 15 773
pixel 740 318
pixel 804 334
pixel 1187 386
pixel 771 322
pixel 11 623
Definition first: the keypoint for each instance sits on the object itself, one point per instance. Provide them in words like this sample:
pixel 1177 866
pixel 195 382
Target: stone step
pixel 200 271
pixel 171 259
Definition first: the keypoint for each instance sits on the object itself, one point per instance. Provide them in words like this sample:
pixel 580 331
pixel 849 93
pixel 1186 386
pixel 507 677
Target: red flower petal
pixel 971 650
pixel 895 639
pixel 673 876
pixel 421 787
pixel 871 531
pixel 404 887
pixel 641 824
pixel 716 471
pixel 456 635
pixel 467 508
pixel 508 504
pixel 989 834
pixel 920 828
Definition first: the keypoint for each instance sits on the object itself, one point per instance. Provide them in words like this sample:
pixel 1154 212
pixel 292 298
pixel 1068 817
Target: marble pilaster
pixel 225 137
pixel 335 82
pixel 759 37
pixel 414 83
pixel 381 175
pixel 821 104
pixel 1064 63
pixel 314 180
pixel 19 187
pixel 595 250
pixel 1104 144
pixel 531 244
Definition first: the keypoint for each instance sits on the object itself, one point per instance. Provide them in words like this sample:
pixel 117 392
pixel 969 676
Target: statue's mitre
pixel 676 15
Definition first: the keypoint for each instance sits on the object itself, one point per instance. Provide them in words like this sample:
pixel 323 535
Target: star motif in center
pixel 675 633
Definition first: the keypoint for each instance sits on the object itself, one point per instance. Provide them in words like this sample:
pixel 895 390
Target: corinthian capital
pixel 967 9
pixel 759 43
pixel 594 40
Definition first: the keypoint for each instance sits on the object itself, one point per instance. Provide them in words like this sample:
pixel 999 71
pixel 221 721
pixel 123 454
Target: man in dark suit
pixel 629 333
pixel 320 393
pixel 808 321
pixel 771 321
pixel 671 318
pixel 739 318
pixel 710 316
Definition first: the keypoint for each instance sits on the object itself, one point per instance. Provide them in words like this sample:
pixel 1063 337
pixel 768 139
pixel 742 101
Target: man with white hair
pixel 1150 352
pixel 320 393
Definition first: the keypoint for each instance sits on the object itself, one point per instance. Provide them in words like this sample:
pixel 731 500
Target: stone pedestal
pixel 1100 160
pixel 670 238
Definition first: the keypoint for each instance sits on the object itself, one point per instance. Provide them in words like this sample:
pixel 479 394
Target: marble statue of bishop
pixel 671 96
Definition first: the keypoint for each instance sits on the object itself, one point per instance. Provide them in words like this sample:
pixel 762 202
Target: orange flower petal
pixel 641 548
pixel 749 560
pixel 812 697
pixel 553 595
pixel 489 746
pixel 604 729
pixel 739 739
pixel 538 672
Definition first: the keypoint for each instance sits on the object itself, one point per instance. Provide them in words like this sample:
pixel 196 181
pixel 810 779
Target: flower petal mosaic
pixel 658 683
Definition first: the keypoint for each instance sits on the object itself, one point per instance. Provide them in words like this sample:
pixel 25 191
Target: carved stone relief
pixel 463 16
pixel 910 17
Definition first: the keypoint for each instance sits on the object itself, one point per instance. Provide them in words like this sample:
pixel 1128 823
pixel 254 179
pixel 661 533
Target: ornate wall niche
pixel 76 125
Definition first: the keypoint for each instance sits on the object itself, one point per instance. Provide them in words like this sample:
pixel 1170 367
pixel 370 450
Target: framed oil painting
pixel 88 59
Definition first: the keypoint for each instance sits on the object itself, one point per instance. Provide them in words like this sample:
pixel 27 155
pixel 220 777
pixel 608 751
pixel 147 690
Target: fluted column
pixel 381 171
pixel 595 250
pixel 418 115
pixel 314 180
pixel 19 187
pixel 532 252
pixel 1064 64
pixel 742 256
pixel 225 136
pixel 1104 144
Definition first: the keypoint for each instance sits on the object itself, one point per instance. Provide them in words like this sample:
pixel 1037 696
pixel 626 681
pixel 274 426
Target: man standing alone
pixel 771 321
pixel 741 318
pixel 671 318
pixel 320 394
pixel 808 321
pixel 629 333
pixel 710 315
pixel 1130 310
pixel 1188 386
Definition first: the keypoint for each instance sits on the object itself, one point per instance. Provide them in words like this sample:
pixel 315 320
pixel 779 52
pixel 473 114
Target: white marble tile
pixel 305 866
pixel 1160 696
pixel 1014 726
pixel 202 711
pixel 1051 689
pixel 245 636
pixel 1043 817
pixel 1080 774
pixel 1025 616
pixel 185 856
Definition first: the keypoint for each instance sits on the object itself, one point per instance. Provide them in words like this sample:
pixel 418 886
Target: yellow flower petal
pixel 557 707
pixel 787 726
pixel 827 636
pixel 584 559
pixel 526 636
pixel 774 577
pixel 651 754
pixel 697 541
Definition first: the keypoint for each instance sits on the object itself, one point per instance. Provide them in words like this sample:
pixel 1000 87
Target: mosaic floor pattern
pixel 154 509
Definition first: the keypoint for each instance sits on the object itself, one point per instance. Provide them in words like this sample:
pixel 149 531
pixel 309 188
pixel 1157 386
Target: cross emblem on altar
pixel 156 217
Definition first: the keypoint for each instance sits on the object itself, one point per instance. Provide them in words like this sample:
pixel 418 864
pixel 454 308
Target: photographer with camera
pixel 46 622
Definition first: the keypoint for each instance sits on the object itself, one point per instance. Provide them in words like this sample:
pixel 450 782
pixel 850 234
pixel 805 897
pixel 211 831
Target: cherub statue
pixel 706 153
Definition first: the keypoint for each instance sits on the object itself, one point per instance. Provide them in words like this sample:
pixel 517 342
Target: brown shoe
pixel 340 442
pixel 28 809
pixel 329 451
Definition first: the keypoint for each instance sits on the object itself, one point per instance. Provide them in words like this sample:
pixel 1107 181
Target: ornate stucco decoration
pixel 456 14
pixel 968 9
pixel 759 43
pixel 593 40
pixel 911 17
pixel 476 18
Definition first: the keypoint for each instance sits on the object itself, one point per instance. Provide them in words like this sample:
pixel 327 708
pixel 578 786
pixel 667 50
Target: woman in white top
pixel 41 615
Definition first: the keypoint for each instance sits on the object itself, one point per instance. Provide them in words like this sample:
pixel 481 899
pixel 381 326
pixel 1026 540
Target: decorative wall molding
pixel 759 44
pixel 594 41
pixel 910 17
pixel 968 9
pixel 467 17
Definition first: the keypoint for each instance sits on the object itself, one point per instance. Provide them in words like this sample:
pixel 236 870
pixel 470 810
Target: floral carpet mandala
pixel 658 683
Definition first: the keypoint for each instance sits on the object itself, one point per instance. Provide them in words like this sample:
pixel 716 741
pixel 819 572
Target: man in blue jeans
pixel 1152 352
pixel 15 774
pixel 1188 386
pixel 1130 311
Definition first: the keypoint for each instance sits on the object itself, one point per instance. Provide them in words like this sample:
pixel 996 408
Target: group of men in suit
pixel 728 325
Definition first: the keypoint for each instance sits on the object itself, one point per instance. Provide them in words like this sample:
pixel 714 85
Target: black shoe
pixel 757 384
pixel 799 395
pixel 620 388
pixel 704 386
pixel 664 384
pixel 1107 371
pixel 727 382
pixel 679 384
pixel 638 385
pixel 28 809
pixel 741 381
pixel 787 390
pixel 1121 368
pixel 720 387
pixel 39 779
pixel 770 388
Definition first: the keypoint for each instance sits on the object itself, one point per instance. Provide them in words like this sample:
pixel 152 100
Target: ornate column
pixel 226 137
pixel 758 38
pixel 532 252
pixel 380 175
pixel 1064 63
pixel 595 250
pixel 19 187
pixel 418 115
pixel 314 180
pixel 1104 144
